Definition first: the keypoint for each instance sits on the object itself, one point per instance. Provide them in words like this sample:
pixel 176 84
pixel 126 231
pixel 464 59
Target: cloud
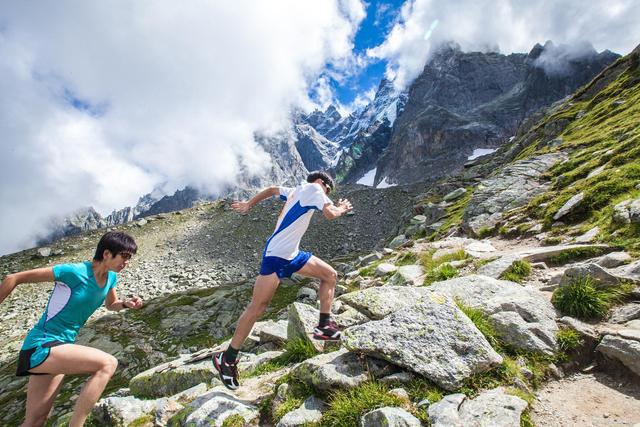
pixel 508 26
pixel 104 101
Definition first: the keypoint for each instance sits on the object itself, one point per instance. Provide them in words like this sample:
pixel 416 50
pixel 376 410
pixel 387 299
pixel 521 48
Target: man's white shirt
pixel 294 219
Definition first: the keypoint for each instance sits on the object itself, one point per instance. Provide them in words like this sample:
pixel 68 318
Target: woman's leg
pixel 41 392
pixel 78 359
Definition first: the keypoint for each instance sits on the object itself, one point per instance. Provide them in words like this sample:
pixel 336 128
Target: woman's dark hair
pixel 115 242
pixel 325 177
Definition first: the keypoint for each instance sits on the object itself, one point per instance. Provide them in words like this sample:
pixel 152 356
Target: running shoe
pixel 228 371
pixel 329 332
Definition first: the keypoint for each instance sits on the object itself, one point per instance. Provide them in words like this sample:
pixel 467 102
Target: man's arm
pixel 37 275
pixel 332 211
pixel 244 206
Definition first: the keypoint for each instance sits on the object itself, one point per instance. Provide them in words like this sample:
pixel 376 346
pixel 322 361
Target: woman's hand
pixel 133 302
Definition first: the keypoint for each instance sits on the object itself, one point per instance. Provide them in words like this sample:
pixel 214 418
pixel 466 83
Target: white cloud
pixel 165 92
pixel 510 26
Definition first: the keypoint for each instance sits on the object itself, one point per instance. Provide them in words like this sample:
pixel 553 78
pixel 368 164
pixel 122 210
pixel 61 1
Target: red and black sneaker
pixel 228 371
pixel 329 332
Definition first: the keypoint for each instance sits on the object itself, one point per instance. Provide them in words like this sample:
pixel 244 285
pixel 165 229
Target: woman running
pixel 48 352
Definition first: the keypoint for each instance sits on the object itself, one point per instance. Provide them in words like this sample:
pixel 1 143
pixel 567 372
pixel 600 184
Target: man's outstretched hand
pixel 241 207
pixel 345 205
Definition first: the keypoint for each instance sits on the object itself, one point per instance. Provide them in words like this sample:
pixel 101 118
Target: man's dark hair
pixel 325 177
pixel 115 242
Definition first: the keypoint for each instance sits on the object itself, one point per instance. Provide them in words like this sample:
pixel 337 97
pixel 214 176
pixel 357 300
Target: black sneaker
pixel 329 332
pixel 228 371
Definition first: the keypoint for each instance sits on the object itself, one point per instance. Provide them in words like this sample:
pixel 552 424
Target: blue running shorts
pixel 283 267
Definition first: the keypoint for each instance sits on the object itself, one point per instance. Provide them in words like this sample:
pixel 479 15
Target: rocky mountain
pixel 505 295
pixel 464 101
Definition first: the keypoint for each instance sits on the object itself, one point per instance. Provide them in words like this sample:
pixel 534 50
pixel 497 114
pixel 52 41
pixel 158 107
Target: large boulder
pixel 520 314
pixel 302 319
pixel 389 417
pixel 381 301
pixel 172 377
pixel 499 266
pixel 339 369
pixel 123 411
pixel 493 408
pixel 433 338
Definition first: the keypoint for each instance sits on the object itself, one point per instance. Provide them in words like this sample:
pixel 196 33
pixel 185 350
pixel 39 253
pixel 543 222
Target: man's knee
pixel 257 308
pixel 331 275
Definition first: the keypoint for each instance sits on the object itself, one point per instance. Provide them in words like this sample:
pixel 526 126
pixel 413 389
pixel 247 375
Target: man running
pixel 281 258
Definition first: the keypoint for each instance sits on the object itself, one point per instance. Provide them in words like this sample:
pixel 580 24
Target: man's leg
pixel 41 392
pixel 225 362
pixel 263 290
pixel 328 277
pixel 78 359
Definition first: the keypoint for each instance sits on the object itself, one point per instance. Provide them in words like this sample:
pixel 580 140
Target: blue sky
pixel 381 15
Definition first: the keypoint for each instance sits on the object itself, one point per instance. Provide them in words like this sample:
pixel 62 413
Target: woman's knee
pixel 109 365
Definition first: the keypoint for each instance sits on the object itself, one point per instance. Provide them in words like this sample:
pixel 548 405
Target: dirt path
pixel 588 400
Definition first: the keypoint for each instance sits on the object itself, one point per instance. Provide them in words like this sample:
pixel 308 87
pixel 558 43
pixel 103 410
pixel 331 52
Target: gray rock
pixel 496 268
pixel 634 211
pixel 455 194
pixel 593 270
pixel 385 268
pixel 630 272
pixel 569 206
pixel 171 378
pixel 520 314
pixel 350 317
pixel 211 409
pixel 621 213
pixel 121 411
pixel 514 186
pixel 418 219
pixel 275 332
pixel 433 338
pixel 309 412
pixel 624 350
pixel 302 319
pixel 339 369
pixel 379 302
pixel 613 259
pixel 492 408
pixel 589 236
pixel 388 416
pixel 305 293
pixel 408 275
pixel 370 258
pixel 250 361
pixel 398 241
pixel 445 412
pixel 43 252
pixel 625 313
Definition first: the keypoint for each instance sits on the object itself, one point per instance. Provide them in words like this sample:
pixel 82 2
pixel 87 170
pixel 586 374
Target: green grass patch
pixel 483 323
pixel 574 254
pixel 297 393
pixel 442 272
pixel 568 339
pixel 517 272
pixel 485 232
pixel 583 298
pixel 143 421
pixel 235 420
pixel 408 258
pixel 294 351
pixel 345 407
pixel 455 213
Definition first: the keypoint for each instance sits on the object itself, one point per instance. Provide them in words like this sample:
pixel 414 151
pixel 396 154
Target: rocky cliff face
pixel 465 101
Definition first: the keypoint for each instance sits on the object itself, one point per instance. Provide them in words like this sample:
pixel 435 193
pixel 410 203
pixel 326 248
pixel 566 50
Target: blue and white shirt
pixel 294 219
pixel 76 295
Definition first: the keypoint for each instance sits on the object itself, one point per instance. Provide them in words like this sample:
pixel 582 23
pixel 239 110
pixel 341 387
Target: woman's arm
pixel 37 275
pixel 112 302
